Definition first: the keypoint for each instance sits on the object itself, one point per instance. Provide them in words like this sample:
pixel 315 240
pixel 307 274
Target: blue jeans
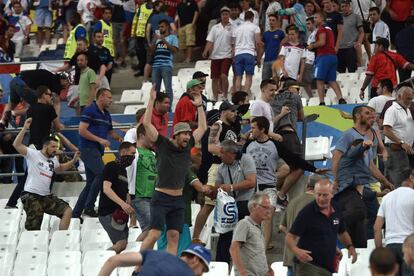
pixel 290 271
pixel 163 73
pixel 93 168
pixel 19 89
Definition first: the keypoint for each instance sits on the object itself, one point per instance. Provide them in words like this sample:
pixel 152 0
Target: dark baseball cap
pixel 226 105
pixel 383 42
pixel 199 74
pixel 291 83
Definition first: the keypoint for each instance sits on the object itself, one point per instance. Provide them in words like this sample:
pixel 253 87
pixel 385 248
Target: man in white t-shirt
pixel 293 55
pixel 85 9
pixel 246 43
pixel 397 212
pixel 36 197
pixel 399 135
pixel 22 25
pixel 380 28
pixel 384 92
pixel 245 6
pixel 218 50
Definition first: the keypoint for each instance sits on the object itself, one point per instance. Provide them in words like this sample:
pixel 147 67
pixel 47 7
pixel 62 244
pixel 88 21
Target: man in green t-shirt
pixel 87 85
pixel 141 180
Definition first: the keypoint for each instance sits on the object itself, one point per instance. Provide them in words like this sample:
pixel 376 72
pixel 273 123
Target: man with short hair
pixel 397 213
pixel 187 13
pixel 326 60
pixel 22 24
pixel 384 91
pixel 334 21
pixel 398 128
pixel 246 50
pixel 382 262
pixel 218 49
pixel 292 55
pixel 272 9
pixel 87 82
pixel 408 250
pixel 159 117
pixel 105 27
pixel 307 79
pixel 114 201
pixel 37 198
pixel 105 57
pixel 383 65
pixel 315 253
pixel 185 111
pixel 194 260
pixel 236 176
pixel 353 37
pixel 174 160
pixel 247 248
pixel 94 127
pixel 379 27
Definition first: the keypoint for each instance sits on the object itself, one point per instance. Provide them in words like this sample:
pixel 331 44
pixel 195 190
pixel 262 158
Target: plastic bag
pixel 225 213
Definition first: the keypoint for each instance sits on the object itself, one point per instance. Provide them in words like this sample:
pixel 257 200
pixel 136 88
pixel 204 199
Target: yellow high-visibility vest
pixel 140 21
pixel 108 39
pixel 70 48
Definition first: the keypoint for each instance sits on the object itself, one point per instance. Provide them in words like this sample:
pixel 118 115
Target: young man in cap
pixel 194 260
pixel 383 65
pixel 174 161
pixel 185 111
pixel 201 76
pixel 114 202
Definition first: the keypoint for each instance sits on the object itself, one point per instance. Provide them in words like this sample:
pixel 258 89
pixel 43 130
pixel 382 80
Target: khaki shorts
pixel 212 173
pixel 186 36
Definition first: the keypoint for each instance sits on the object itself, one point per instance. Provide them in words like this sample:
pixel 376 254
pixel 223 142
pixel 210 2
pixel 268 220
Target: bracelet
pixel 349 246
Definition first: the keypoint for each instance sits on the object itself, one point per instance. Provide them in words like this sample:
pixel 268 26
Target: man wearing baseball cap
pixel 194 260
pixel 185 110
pixel 173 163
pixel 383 66
pixel 201 76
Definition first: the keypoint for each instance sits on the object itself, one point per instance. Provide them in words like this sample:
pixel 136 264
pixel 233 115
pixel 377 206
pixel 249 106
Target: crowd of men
pixel 157 172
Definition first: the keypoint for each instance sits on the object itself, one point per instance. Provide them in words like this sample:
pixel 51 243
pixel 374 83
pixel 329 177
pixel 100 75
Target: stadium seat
pixel 8 238
pixel 176 86
pixel 195 208
pixel 55 221
pixel 93 261
pixel 30 257
pixel 37 241
pixel 218 269
pixel 132 109
pixel 64 270
pixel 205 234
pixel 45 222
pixel 133 234
pixel 314 101
pixel 65 240
pixel 317 148
pixel 30 269
pixel 203 65
pixel 133 246
pixel 90 224
pixel 361 266
pixel 6 263
pixel 95 238
pixel 130 96
pixel 184 75
pixel 72 258
pixel 278 268
pixel 304 101
pixel 10 214
pixel 30 66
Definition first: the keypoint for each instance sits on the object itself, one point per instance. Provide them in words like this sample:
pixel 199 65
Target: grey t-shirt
pixel 252 249
pixel 238 170
pixel 172 163
pixel 350 35
pixel 291 100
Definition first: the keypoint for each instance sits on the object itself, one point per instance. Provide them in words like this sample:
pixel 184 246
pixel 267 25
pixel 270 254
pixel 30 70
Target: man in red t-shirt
pixel 383 65
pixel 326 60
pixel 395 14
pixel 185 111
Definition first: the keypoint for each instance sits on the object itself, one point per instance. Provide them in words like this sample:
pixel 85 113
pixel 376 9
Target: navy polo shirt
pixel 100 123
pixel 318 234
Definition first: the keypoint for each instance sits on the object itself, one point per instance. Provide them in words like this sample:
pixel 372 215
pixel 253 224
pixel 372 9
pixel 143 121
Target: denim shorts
pixel 142 207
pixel 43 18
pixel 114 235
pixel 167 210
pixel 244 63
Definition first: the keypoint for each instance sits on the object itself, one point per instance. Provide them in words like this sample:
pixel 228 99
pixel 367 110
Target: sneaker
pixel 282 202
pixel 10 207
pixel 342 101
pixel 322 103
pixel 91 213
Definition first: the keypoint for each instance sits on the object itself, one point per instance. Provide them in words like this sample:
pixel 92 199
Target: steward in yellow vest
pixel 77 32
pixel 104 26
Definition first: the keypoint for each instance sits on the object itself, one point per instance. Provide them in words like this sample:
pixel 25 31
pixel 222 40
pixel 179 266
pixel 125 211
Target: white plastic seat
pixel 202 64
pixel 45 222
pixel 90 224
pixel 130 96
pixel 95 239
pixel 9 225
pixel 33 241
pixel 55 221
pixel 304 101
pixel 361 266
pixel 64 270
pixel 317 148
pixel 65 240
pixel 184 75
pixel 91 246
pixel 218 269
pixel 31 269
pixel 8 238
pixel 6 263
pixel 133 234
pixel 314 101
pixel 132 109
pixel 30 66
pixel 10 214
pixel 30 257
pixel 133 247
pixel 278 268
pixel 94 260
pixel 65 258
pixel 195 208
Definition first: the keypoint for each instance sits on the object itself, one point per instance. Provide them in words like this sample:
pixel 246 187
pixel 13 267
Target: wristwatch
pixel 402 142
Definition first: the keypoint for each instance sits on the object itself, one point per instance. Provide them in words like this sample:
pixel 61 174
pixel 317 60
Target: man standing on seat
pixel 174 161
pixel 94 127
pixel 37 198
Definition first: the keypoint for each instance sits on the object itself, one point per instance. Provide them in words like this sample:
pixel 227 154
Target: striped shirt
pixel 163 57
pixel 100 123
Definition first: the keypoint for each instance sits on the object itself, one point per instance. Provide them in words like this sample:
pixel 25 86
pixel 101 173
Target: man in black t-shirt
pixel 114 203
pixel 103 53
pixel 335 21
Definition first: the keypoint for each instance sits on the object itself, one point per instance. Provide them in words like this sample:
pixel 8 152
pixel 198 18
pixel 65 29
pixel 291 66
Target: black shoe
pixel 342 101
pixel 322 103
pixel 282 202
pixel 91 213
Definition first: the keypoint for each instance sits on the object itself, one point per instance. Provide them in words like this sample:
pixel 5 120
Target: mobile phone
pixel 157 32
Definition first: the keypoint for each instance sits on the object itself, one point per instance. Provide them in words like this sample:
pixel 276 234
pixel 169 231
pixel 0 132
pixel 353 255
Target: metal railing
pixel 33 62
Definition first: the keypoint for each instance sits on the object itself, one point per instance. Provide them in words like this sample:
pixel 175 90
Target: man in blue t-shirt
pixel 164 47
pixel 272 40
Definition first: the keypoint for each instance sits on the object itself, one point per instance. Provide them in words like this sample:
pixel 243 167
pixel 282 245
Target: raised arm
pixel 18 141
pixel 69 164
pixel 151 131
pixel 121 260
pixel 202 122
